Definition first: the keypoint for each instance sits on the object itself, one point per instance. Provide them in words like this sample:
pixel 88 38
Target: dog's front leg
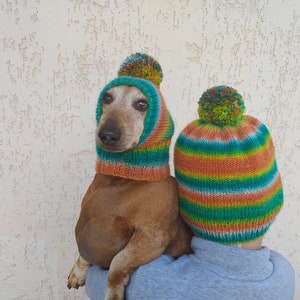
pixel 143 247
pixel 78 273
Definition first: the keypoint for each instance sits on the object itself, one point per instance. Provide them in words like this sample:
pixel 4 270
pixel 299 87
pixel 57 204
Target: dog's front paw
pixel 77 275
pixel 76 278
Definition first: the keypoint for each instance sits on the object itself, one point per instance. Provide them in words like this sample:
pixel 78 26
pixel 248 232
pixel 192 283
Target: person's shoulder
pixel 281 263
pixel 164 262
pixel 283 275
pixel 167 278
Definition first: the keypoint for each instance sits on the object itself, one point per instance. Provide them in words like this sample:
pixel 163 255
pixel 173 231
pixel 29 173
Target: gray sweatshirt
pixel 213 272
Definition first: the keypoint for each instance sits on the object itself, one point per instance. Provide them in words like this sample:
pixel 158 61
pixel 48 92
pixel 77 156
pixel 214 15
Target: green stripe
pixel 156 157
pixel 231 215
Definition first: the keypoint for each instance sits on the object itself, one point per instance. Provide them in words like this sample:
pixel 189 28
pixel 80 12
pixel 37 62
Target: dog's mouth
pixel 114 147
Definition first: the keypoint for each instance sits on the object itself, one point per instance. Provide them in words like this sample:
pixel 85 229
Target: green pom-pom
pixel 142 66
pixel 221 106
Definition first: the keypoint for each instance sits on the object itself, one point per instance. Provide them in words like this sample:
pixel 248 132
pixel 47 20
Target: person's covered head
pixel 229 186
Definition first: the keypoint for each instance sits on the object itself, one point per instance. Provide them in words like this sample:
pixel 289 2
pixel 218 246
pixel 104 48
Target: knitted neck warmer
pixel 230 189
pixel 149 160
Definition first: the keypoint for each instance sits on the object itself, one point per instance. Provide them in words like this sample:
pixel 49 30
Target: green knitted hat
pixel 149 160
pixel 229 186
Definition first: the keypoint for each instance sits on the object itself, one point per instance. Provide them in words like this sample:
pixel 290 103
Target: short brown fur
pixel 124 224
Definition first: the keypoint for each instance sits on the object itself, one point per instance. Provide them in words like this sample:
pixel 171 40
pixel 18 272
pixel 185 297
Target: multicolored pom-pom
pixel 142 66
pixel 221 105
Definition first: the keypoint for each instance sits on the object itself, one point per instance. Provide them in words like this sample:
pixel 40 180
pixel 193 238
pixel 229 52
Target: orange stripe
pixel 231 200
pixel 154 145
pixel 150 174
pixel 224 167
pixel 161 126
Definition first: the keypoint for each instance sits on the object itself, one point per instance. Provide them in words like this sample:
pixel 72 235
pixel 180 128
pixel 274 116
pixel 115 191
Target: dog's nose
pixel 109 136
pixel 109 133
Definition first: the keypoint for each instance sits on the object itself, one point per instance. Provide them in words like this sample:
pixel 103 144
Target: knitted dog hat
pixel 230 189
pixel 149 159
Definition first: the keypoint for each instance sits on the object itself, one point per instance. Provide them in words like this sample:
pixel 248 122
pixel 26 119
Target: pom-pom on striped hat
pixel 149 159
pixel 229 186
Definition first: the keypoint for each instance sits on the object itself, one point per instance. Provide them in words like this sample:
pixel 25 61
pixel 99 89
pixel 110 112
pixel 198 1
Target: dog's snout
pixel 109 136
pixel 109 133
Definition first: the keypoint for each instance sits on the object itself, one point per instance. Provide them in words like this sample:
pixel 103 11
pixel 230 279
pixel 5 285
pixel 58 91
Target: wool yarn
pixel 149 159
pixel 230 189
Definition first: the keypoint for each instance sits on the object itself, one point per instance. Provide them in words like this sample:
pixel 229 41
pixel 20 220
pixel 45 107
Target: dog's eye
pixel 107 98
pixel 141 105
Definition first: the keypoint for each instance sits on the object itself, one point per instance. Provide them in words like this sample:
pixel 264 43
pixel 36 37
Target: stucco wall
pixel 55 57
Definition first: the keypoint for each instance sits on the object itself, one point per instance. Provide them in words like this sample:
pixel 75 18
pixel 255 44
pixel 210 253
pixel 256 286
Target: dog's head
pixel 134 127
pixel 131 112
pixel 121 124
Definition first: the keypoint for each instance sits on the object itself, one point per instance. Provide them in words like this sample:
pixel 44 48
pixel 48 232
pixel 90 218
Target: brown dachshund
pixel 125 223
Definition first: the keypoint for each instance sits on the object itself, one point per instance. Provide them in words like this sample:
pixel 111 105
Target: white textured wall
pixel 55 57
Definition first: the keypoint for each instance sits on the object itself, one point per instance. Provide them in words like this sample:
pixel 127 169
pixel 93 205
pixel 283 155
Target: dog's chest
pixel 114 199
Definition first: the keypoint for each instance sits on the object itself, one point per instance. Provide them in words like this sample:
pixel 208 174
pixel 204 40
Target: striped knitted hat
pixel 149 159
pixel 230 189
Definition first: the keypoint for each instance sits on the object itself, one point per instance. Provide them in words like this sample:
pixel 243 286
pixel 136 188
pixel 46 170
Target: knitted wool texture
pixel 149 160
pixel 230 189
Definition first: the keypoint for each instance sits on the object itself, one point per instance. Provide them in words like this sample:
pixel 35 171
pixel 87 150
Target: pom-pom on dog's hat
pixel 149 160
pixel 230 189
pixel 142 66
